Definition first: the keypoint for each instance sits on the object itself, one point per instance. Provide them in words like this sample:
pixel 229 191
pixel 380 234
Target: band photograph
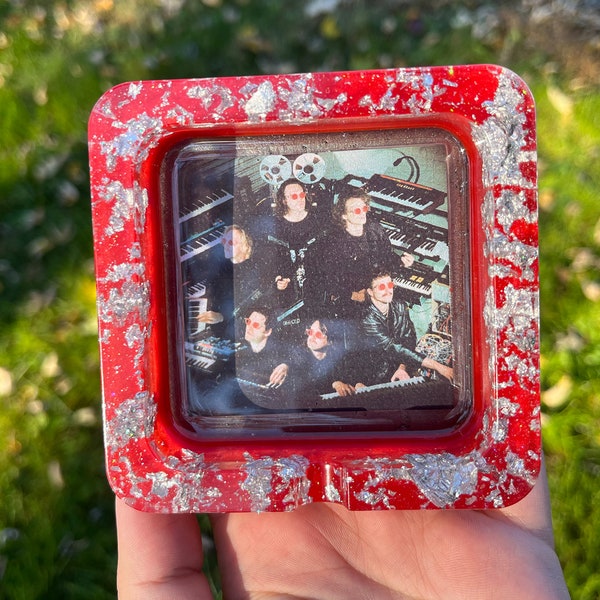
pixel 318 276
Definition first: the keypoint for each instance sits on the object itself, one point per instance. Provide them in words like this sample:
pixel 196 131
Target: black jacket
pixel 390 340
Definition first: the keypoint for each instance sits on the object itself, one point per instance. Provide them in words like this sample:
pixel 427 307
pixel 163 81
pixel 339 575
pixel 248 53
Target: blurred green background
pixel 57 57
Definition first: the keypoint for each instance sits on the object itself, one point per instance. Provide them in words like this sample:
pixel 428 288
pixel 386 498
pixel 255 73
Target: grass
pixel 56 58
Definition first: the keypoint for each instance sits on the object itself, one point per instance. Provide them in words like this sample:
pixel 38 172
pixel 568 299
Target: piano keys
pixel 417 279
pixel 197 359
pixel 201 242
pixel 196 306
pixel 405 195
pixel 198 207
pixel 415 237
pixel 210 353
pixel 196 290
pixel 399 195
pixel 414 393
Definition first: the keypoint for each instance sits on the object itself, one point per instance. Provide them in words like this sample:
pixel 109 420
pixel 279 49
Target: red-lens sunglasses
pixel 252 323
pixel 315 333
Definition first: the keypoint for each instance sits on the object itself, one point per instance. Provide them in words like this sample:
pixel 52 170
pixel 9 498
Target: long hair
pixel 339 208
pixel 327 327
pixel 246 236
pixel 281 207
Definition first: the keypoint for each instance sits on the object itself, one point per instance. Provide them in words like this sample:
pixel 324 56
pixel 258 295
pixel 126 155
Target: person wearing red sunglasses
pixel 390 335
pixel 295 227
pixel 262 361
pixel 237 276
pixel 349 249
pixel 319 368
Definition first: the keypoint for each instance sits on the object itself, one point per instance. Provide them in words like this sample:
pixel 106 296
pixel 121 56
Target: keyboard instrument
pixel 417 278
pixel 210 353
pixel 196 306
pixel 198 207
pixel 201 242
pixel 404 194
pixel 417 392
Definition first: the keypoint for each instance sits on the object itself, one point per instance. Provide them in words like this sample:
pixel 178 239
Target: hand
pixel 400 374
pixel 211 317
pixel 443 370
pixel 407 260
pixel 343 389
pixel 324 552
pixel 278 375
pixel 359 296
pixel 281 283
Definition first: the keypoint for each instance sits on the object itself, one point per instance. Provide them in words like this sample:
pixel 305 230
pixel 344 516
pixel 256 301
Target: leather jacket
pixel 391 337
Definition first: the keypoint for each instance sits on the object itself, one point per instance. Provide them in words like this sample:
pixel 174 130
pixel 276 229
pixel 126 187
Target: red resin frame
pixel 490 460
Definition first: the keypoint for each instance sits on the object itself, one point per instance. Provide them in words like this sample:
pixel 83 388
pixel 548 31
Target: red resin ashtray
pixel 318 288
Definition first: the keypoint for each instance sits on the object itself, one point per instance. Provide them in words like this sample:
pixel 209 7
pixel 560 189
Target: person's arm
pixel 443 370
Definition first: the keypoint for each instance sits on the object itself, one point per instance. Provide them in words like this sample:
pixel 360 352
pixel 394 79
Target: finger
pixel 277 377
pixel 160 555
pixel 533 512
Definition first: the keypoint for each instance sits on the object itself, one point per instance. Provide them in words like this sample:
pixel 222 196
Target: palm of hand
pixel 325 551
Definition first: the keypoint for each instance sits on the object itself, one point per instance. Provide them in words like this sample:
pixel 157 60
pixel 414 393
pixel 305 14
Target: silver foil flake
pixel 261 102
pixel 525 340
pixel 263 473
pixel 511 207
pixel 208 96
pixel 495 498
pixel 500 430
pixel 181 116
pixel 185 476
pixel 128 205
pixel 524 369
pixel 125 468
pixel 507 407
pixel 133 419
pixel 329 104
pixel 488 212
pixel 135 337
pixel 134 89
pixel 128 144
pixel 387 470
pixel 514 251
pixel 123 272
pixel 386 103
pixel 299 97
pixel 444 478
pixel 501 138
pixel 515 466
pixel 426 90
pixel 518 312
pixel 379 496
pixel 500 147
pixel 131 299
pixel 331 493
pixel 161 484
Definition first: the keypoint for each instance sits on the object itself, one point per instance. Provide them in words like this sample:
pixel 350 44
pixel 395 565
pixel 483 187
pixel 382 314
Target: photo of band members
pixel 316 280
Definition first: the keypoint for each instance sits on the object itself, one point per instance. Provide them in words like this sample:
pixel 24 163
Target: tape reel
pixel 309 168
pixel 275 169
